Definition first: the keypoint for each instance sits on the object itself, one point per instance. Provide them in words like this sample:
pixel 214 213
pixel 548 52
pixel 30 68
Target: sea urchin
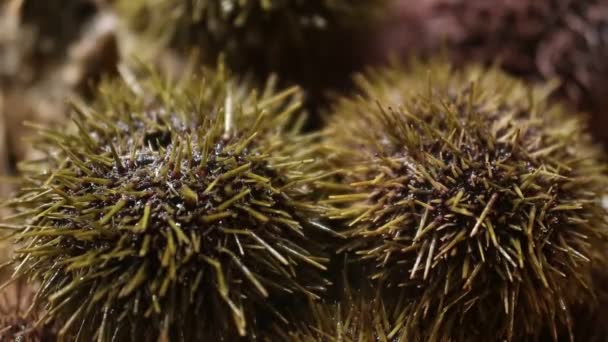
pixel 171 209
pixel 471 195
pixel 302 40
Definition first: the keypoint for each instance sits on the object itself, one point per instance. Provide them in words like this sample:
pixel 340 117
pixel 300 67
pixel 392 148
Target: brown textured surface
pixel 49 51
pixel 537 39
pixel 16 323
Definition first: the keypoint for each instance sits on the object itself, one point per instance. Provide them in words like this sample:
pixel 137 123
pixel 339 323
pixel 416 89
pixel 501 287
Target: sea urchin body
pixel 473 197
pixel 171 209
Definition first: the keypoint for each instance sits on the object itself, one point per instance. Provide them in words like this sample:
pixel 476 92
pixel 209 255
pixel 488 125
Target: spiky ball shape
pixel 469 193
pixel 174 209
pixel 299 39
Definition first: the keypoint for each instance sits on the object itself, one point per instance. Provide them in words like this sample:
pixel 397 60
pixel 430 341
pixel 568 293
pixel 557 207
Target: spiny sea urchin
pixel 174 209
pixel 473 196
pixel 349 320
pixel 310 42
pixel 235 26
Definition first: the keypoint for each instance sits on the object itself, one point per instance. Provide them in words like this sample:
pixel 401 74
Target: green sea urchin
pixel 173 209
pixel 235 26
pixel 471 195
pixel 314 43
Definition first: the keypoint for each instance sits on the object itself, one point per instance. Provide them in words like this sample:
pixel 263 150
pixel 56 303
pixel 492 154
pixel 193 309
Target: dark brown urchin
pixel 471 195
pixel 173 209
pixel 314 43
pixel 536 39
pixel 17 323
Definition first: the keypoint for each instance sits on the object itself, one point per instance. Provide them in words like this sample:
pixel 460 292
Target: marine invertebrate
pixel 174 209
pixel 312 43
pixel 472 195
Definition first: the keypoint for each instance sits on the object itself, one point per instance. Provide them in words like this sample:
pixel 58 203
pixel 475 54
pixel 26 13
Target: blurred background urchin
pixel 562 39
pixel 314 43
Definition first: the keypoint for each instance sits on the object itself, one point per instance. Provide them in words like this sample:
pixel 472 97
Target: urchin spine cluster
pixel 358 313
pixel 470 195
pixel 188 207
pixel 183 207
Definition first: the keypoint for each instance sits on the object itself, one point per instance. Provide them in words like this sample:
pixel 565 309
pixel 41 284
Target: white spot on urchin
pixel 605 202
pixel 319 22
pixel 227 6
